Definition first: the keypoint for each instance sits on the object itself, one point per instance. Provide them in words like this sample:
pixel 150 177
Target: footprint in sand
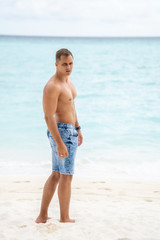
pixel 22 226
pixel 21 181
pixel 49 228
pixel 107 189
pixel 99 182
pixel 123 239
pixel 135 182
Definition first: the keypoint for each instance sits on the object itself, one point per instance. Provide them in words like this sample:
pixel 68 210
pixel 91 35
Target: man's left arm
pixel 80 137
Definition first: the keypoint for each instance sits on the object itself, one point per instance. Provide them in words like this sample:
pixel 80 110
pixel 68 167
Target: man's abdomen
pixel 66 117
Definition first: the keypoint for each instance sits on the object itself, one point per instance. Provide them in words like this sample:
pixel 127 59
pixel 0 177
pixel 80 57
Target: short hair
pixel 62 52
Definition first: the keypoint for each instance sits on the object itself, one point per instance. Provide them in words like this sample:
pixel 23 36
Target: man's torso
pixel 65 111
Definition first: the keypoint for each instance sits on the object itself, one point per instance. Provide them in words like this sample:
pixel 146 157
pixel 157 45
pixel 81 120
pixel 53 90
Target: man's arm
pixel 50 100
pixel 80 137
pixel 76 122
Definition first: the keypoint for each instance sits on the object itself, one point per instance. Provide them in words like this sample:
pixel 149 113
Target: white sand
pixel 108 209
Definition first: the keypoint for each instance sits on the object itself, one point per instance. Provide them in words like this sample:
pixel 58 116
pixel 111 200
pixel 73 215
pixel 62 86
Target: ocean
pixel 117 104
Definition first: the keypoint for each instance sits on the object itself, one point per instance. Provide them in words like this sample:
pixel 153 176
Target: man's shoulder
pixel 52 86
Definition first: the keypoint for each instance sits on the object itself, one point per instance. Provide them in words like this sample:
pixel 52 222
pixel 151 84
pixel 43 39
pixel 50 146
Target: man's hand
pixel 62 150
pixel 80 137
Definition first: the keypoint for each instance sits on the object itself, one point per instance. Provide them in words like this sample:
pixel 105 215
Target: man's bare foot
pixel 67 220
pixel 42 220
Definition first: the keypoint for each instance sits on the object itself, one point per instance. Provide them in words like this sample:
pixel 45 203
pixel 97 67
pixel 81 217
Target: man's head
pixel 62 52
pixel 64 61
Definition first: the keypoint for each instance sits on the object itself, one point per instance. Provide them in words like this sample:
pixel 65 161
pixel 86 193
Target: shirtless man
pixel 64 135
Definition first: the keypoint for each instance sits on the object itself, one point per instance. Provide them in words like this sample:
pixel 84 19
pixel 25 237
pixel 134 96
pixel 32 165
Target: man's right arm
pixel 50 100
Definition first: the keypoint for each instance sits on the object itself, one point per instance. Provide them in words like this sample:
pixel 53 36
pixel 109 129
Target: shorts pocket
pixel 65 133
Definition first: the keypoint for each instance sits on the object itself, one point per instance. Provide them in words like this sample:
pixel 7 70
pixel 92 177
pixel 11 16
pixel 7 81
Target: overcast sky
pixel 80 17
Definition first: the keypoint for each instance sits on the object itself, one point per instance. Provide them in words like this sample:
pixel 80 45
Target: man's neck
pixel 62 78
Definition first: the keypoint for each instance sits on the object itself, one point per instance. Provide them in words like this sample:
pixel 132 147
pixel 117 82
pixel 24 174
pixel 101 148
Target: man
pixel 64 135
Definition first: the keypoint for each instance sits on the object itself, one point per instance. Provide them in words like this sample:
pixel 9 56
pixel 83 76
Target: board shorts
pixel 69 136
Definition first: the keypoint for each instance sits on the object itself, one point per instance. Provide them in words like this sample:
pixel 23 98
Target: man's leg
pixel 64 194
pixel 48 191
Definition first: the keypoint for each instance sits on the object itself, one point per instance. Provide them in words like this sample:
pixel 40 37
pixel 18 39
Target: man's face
pixel 65 65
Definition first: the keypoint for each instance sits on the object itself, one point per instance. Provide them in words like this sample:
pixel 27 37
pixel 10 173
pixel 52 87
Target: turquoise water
pixel 117 82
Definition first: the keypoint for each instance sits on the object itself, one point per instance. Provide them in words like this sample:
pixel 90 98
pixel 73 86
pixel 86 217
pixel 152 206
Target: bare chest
pixel 68 93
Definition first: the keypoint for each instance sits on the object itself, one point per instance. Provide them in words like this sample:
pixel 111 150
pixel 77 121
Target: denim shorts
pixel 69 136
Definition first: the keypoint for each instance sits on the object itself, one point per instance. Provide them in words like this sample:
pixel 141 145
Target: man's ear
pixel 56 64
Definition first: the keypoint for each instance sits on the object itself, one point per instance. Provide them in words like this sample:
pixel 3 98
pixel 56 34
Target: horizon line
pixel 45 36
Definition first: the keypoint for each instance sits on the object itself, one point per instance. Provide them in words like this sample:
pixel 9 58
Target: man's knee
pixel 55 176
pixel 66 177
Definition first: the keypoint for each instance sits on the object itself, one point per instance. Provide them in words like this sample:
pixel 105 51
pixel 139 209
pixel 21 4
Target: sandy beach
pixel 110 209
